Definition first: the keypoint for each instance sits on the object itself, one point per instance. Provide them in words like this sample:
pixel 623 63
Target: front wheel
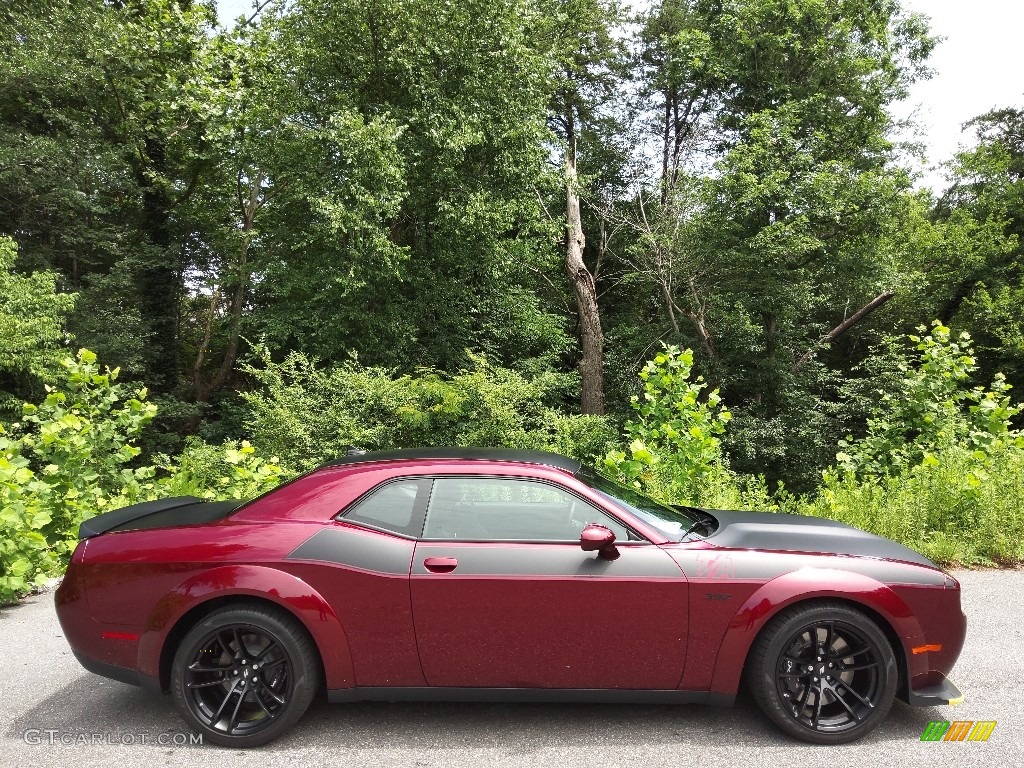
pixel 243 675
pixel 823 673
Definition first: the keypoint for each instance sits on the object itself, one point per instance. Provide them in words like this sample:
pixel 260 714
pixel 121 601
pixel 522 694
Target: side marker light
pixel 119 635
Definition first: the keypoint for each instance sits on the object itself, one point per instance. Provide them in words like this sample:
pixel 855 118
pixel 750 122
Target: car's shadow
pixel 88 704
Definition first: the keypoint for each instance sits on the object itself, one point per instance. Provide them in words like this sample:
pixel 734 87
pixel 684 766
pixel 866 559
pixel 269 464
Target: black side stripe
pixel 365 550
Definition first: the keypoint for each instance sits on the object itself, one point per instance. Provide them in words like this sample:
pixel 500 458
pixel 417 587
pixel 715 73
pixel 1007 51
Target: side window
pixel 389 506
pixel 506 509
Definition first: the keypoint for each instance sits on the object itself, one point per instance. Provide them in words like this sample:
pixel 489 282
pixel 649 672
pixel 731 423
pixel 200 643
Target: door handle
pixel 440 564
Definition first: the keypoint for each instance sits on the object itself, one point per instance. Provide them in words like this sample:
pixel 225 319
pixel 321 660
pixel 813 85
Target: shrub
pixel 940 468
pixel 74 456
pixel 230 471
pixel 66 460
pixel 932 411
pixel 25 557
pixel 673 447
pixel 308 415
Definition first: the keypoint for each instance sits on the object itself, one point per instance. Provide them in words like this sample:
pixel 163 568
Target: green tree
pixel 458 90
pixel 972 264
pixel 767 237
pixel 291 195
pixel 102 119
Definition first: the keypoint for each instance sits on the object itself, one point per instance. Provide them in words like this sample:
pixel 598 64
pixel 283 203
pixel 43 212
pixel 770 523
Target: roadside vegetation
pixel 683 244
pixel 75 455
pixel 940 468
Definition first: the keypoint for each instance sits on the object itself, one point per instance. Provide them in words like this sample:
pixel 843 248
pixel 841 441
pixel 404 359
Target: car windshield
pixel 672 522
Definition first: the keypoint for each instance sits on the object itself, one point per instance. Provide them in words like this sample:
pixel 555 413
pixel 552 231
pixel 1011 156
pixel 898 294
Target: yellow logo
pixel 959 730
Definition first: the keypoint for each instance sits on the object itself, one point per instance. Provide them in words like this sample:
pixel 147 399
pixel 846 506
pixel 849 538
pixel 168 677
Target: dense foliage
pixel 31 318
pixel 933 411
pixel 939 468
pixel 391 223
pixel 673 442
pixel 307 415
pixel 74 456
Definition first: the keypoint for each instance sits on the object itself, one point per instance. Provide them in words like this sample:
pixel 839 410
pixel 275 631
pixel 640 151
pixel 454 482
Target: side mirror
pixel 600 539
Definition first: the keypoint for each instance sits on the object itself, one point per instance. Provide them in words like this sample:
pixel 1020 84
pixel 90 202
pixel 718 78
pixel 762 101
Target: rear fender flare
pixel 801 586
pixel 291 593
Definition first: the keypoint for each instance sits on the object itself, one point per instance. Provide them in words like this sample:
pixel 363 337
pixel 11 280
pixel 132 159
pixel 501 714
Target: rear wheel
pixel 242 676
pixel 823 673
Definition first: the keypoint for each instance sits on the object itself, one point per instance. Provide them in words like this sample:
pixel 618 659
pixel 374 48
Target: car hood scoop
pixel 802 533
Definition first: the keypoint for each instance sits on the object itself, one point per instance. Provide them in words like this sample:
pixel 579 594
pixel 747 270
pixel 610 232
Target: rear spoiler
pixel 187 510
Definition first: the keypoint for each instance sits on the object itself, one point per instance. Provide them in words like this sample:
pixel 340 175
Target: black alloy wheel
pixel 242 676
pixel 824 673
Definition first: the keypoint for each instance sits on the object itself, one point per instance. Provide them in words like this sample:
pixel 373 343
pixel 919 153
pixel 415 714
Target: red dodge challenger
pixel 502 575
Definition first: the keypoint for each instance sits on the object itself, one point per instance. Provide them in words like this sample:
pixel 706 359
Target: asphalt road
pixel 54 713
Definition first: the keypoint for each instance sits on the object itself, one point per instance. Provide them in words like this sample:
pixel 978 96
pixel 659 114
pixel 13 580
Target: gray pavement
pixel 51 709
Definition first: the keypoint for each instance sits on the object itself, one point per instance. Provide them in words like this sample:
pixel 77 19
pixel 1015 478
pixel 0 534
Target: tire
pixel 244 675
pixel 792 680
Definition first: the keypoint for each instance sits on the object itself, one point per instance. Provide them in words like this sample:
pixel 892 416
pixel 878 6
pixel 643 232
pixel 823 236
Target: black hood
pixel 802 533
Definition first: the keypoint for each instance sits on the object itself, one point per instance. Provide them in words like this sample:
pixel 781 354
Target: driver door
pixel 504 596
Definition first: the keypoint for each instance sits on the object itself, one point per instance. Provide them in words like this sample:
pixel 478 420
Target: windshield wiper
pixel 707 522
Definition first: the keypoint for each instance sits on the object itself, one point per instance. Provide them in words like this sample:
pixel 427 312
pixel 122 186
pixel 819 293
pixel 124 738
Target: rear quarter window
pixel 390 506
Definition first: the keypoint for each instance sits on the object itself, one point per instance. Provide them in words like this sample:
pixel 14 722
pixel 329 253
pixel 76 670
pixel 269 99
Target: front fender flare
pixel 291 593
pixel 800 586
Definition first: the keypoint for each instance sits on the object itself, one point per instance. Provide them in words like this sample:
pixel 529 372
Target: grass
pixel 958 511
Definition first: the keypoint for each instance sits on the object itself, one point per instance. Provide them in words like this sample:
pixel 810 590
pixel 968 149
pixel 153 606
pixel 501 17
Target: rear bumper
pixel 935 695
pixel 122 675
pixel 110 671
pixel 112 653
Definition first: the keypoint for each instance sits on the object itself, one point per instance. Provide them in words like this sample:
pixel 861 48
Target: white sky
pixel 977 67
pixel 229 10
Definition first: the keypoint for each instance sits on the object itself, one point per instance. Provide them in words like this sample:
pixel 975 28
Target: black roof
pixel 481 454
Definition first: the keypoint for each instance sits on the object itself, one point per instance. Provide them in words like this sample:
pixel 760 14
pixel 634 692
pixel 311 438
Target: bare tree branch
pixel 843 327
